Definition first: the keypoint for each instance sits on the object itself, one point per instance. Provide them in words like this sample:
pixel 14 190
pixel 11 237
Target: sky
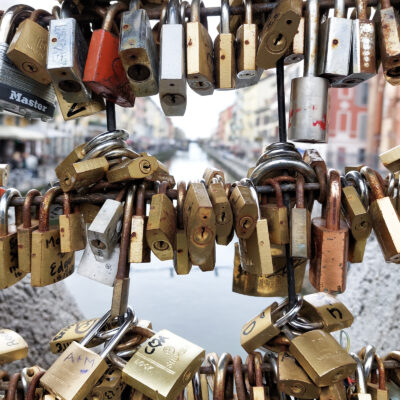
pixel 201 117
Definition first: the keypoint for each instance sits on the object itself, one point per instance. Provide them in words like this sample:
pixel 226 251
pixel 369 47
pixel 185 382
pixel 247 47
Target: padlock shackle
pixel 105 137
pixel 278 191
pixel 257 369
pixel 340 9
pixel 361 383
pixel 134 5
pixel 334 200
pixel 180 203
pixel 10 20
pixel 111 14
pixel 220 379
pixel 361 7
pixel 225 16
pixel 36 14
pixel 67 204
pixel 247 182
pixel 140 206
pixel 44 213
pixel 5 201
pixel 367 355
pixel 163 187
pixel 373 181
pixel 173 12
pixel 300 203
pixel 248 15
pixel 385 4
pixel 381 372
pixel 104 148
pixel 195 11
pixel 311 27
pixel 360 185
pixel 183 7
pixel 26 210
pixel 68 9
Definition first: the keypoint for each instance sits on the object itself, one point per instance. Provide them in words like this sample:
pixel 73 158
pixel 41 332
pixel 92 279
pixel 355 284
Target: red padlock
pixel 104 73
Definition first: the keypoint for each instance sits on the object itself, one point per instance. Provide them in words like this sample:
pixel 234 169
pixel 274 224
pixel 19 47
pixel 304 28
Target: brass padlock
pixel 49 265
pixel 12 346
pixel 109 387
pixel 161 225
pixel 391 159
pixel 295 53
pixel 378 390
pixel 72 228
pixel 182 263
pixel 10 272
pixel 24 232
pixel 336 391
pixel 139 251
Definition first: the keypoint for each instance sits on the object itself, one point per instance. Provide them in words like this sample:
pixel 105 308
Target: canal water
pixel 200 306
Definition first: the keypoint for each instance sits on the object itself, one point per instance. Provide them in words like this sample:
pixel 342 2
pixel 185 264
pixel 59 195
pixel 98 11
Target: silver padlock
pixel 363 56
pixel 309 95
pixel 20 94
pixel 104 231
pixel 66 57
pixel 335 45
pixel 138 51
pixel 172 68
pixel 99 271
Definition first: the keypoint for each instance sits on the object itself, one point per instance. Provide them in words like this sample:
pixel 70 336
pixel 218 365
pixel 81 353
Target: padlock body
pixel 356 249
pixel 138 53
pixel 322 357
pixel 391 159
pixel 138 168
pixel 182 263
pixel 48 264
pixel 25 246
pixel 300 233
pixel 209 262
pixel 376 393
pixel 72 232
pixel 386 224
pixel 12 346
pixel 73 375
pixel 163 366
pixel 245 211
pixel 328 265
pixel 28 50
pixel 10 272
pixel 277 223
pixel 139 251
pixel 225 69
pixel 110 385
pixel 199 59
pixel 335 391
pixel 246 44
pixel 104 73
pixel 308 110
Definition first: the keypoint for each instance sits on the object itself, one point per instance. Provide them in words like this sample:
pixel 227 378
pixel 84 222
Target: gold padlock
pixel 49 265
pixel 138 168
pixel 12 346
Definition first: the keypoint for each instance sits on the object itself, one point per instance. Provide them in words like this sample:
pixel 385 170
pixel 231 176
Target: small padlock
pixel 361 393
pixel 328 265
pixel 48 264
pixel 104 73
pixel 172 63
pixel 391 159
pixel 109 387
pixel 336 391
pixel 309 94
pixel 72 228
pixel 379 390
pixel 335 45
pixel 138 51
pixel 12 346
pixel 161 225
pixel 385 221
pixel 139 251
pixel 182 263
pixel 199 53
pixel 10 272
pixel 28 47
pixel 24 233
pixel 74 374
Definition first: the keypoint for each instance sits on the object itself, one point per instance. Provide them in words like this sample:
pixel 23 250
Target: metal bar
pixel 280 91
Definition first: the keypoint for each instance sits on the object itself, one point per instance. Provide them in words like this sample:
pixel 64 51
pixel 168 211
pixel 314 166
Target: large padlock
pixel 172 63
pixel 66 57
pixel 74 374
pixel 199 53
pixel 49 265
pixel 10 272
pixel 104 73
pixel 138 51
pixel 19 93
pixel 309 94
pixel 28 47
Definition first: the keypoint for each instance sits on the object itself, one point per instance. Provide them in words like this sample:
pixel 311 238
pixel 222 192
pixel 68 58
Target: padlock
pixel 139 251
pixel 74 374
pixel 72 228
pixel 300 224
pixel 28 47
pixel 24 233
pixel 103 232
pixel 162 366
pixel 138 51
pixel 391 159
pixel 245 211
pixel 12 346
pixel 321 356
pixel 335 45
pixel 328 264
pixel 199 222
pixel 278 32
pixel 19 93
pixel 326 309
pixel 255 252
pixel 379 390
pixel 267 325
pixel 10 272
pixel 224 52
pixel 172 63
pixel 293 380
pixel 295 53
pixel 48 264
pixel 66 57
pixel 336 391
pixel 161 225
pixel 109 387
pixel 199 53
pixel 389 41
pixel 361 393
pixel 156 30
pixel 385 221
pixel 363 57
pixel 104 73
pixel 223 382
pixel 89 212
pixel 309 94
pixel 182 263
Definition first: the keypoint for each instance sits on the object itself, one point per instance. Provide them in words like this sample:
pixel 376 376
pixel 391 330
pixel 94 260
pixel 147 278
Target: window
pixel 343 120
pixel 361 97
pixel 362 121
pixel 361 156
